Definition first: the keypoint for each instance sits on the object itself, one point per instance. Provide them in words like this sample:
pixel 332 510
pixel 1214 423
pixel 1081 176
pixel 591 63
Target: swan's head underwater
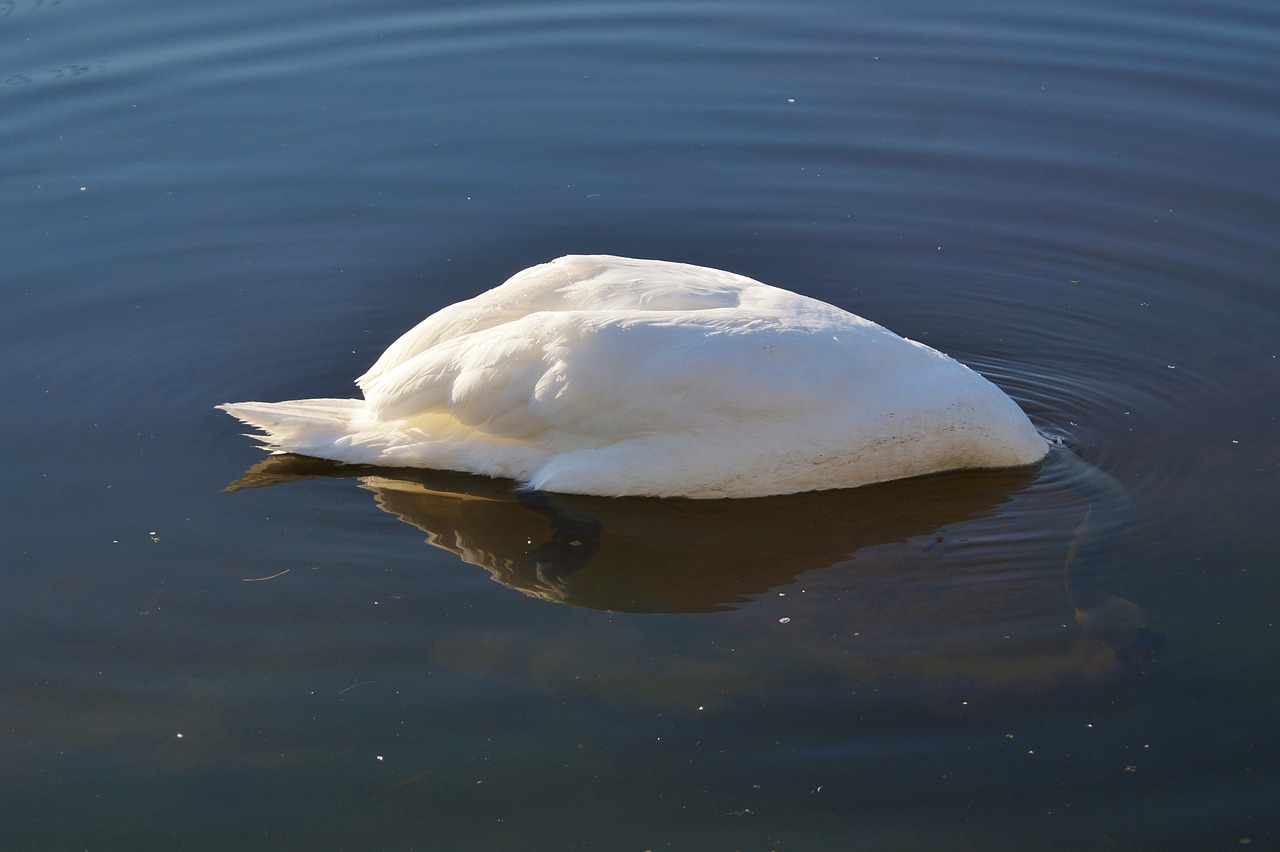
pixel 622 377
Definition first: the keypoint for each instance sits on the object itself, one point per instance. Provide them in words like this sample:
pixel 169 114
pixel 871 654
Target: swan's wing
pixel 630 376
pixel 609 375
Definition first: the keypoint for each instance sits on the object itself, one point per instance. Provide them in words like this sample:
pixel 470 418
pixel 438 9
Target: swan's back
pixel 588 284
pixel 616 376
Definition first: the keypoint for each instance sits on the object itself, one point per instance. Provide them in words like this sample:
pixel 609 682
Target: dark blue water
pixel 239 201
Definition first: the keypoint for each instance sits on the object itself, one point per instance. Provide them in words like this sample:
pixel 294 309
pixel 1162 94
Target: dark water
pixel 212 202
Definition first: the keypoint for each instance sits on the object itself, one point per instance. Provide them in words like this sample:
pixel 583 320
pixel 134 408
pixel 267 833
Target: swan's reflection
pixel 684 556
pixel 650 555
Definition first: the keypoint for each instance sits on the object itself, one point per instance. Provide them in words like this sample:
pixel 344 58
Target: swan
pixel 616 376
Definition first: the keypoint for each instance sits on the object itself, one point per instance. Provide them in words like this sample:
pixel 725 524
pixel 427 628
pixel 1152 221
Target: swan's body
pixel 612 376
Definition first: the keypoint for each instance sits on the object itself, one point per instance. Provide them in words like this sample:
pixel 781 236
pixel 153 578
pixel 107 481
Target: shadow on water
pixel 956 575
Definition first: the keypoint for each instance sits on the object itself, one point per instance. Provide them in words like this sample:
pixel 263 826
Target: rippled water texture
pixel 248 201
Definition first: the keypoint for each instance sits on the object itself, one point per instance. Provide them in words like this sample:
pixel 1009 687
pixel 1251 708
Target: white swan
pixel 614 376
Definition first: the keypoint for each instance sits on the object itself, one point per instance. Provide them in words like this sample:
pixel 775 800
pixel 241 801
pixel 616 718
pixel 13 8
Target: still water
pixel 212 202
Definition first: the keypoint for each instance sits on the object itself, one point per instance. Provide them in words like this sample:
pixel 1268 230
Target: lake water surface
pixel 215 202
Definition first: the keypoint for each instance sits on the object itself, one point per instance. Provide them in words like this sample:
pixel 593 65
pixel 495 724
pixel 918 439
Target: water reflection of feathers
pixel 905 540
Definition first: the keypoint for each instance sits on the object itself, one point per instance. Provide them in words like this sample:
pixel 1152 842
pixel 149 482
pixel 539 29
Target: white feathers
pixel 613 376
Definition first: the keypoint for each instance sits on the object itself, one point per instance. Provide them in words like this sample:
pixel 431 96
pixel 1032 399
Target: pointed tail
pixel 304 426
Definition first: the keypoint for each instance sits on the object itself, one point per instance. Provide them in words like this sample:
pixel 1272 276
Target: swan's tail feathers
pixel 308 427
